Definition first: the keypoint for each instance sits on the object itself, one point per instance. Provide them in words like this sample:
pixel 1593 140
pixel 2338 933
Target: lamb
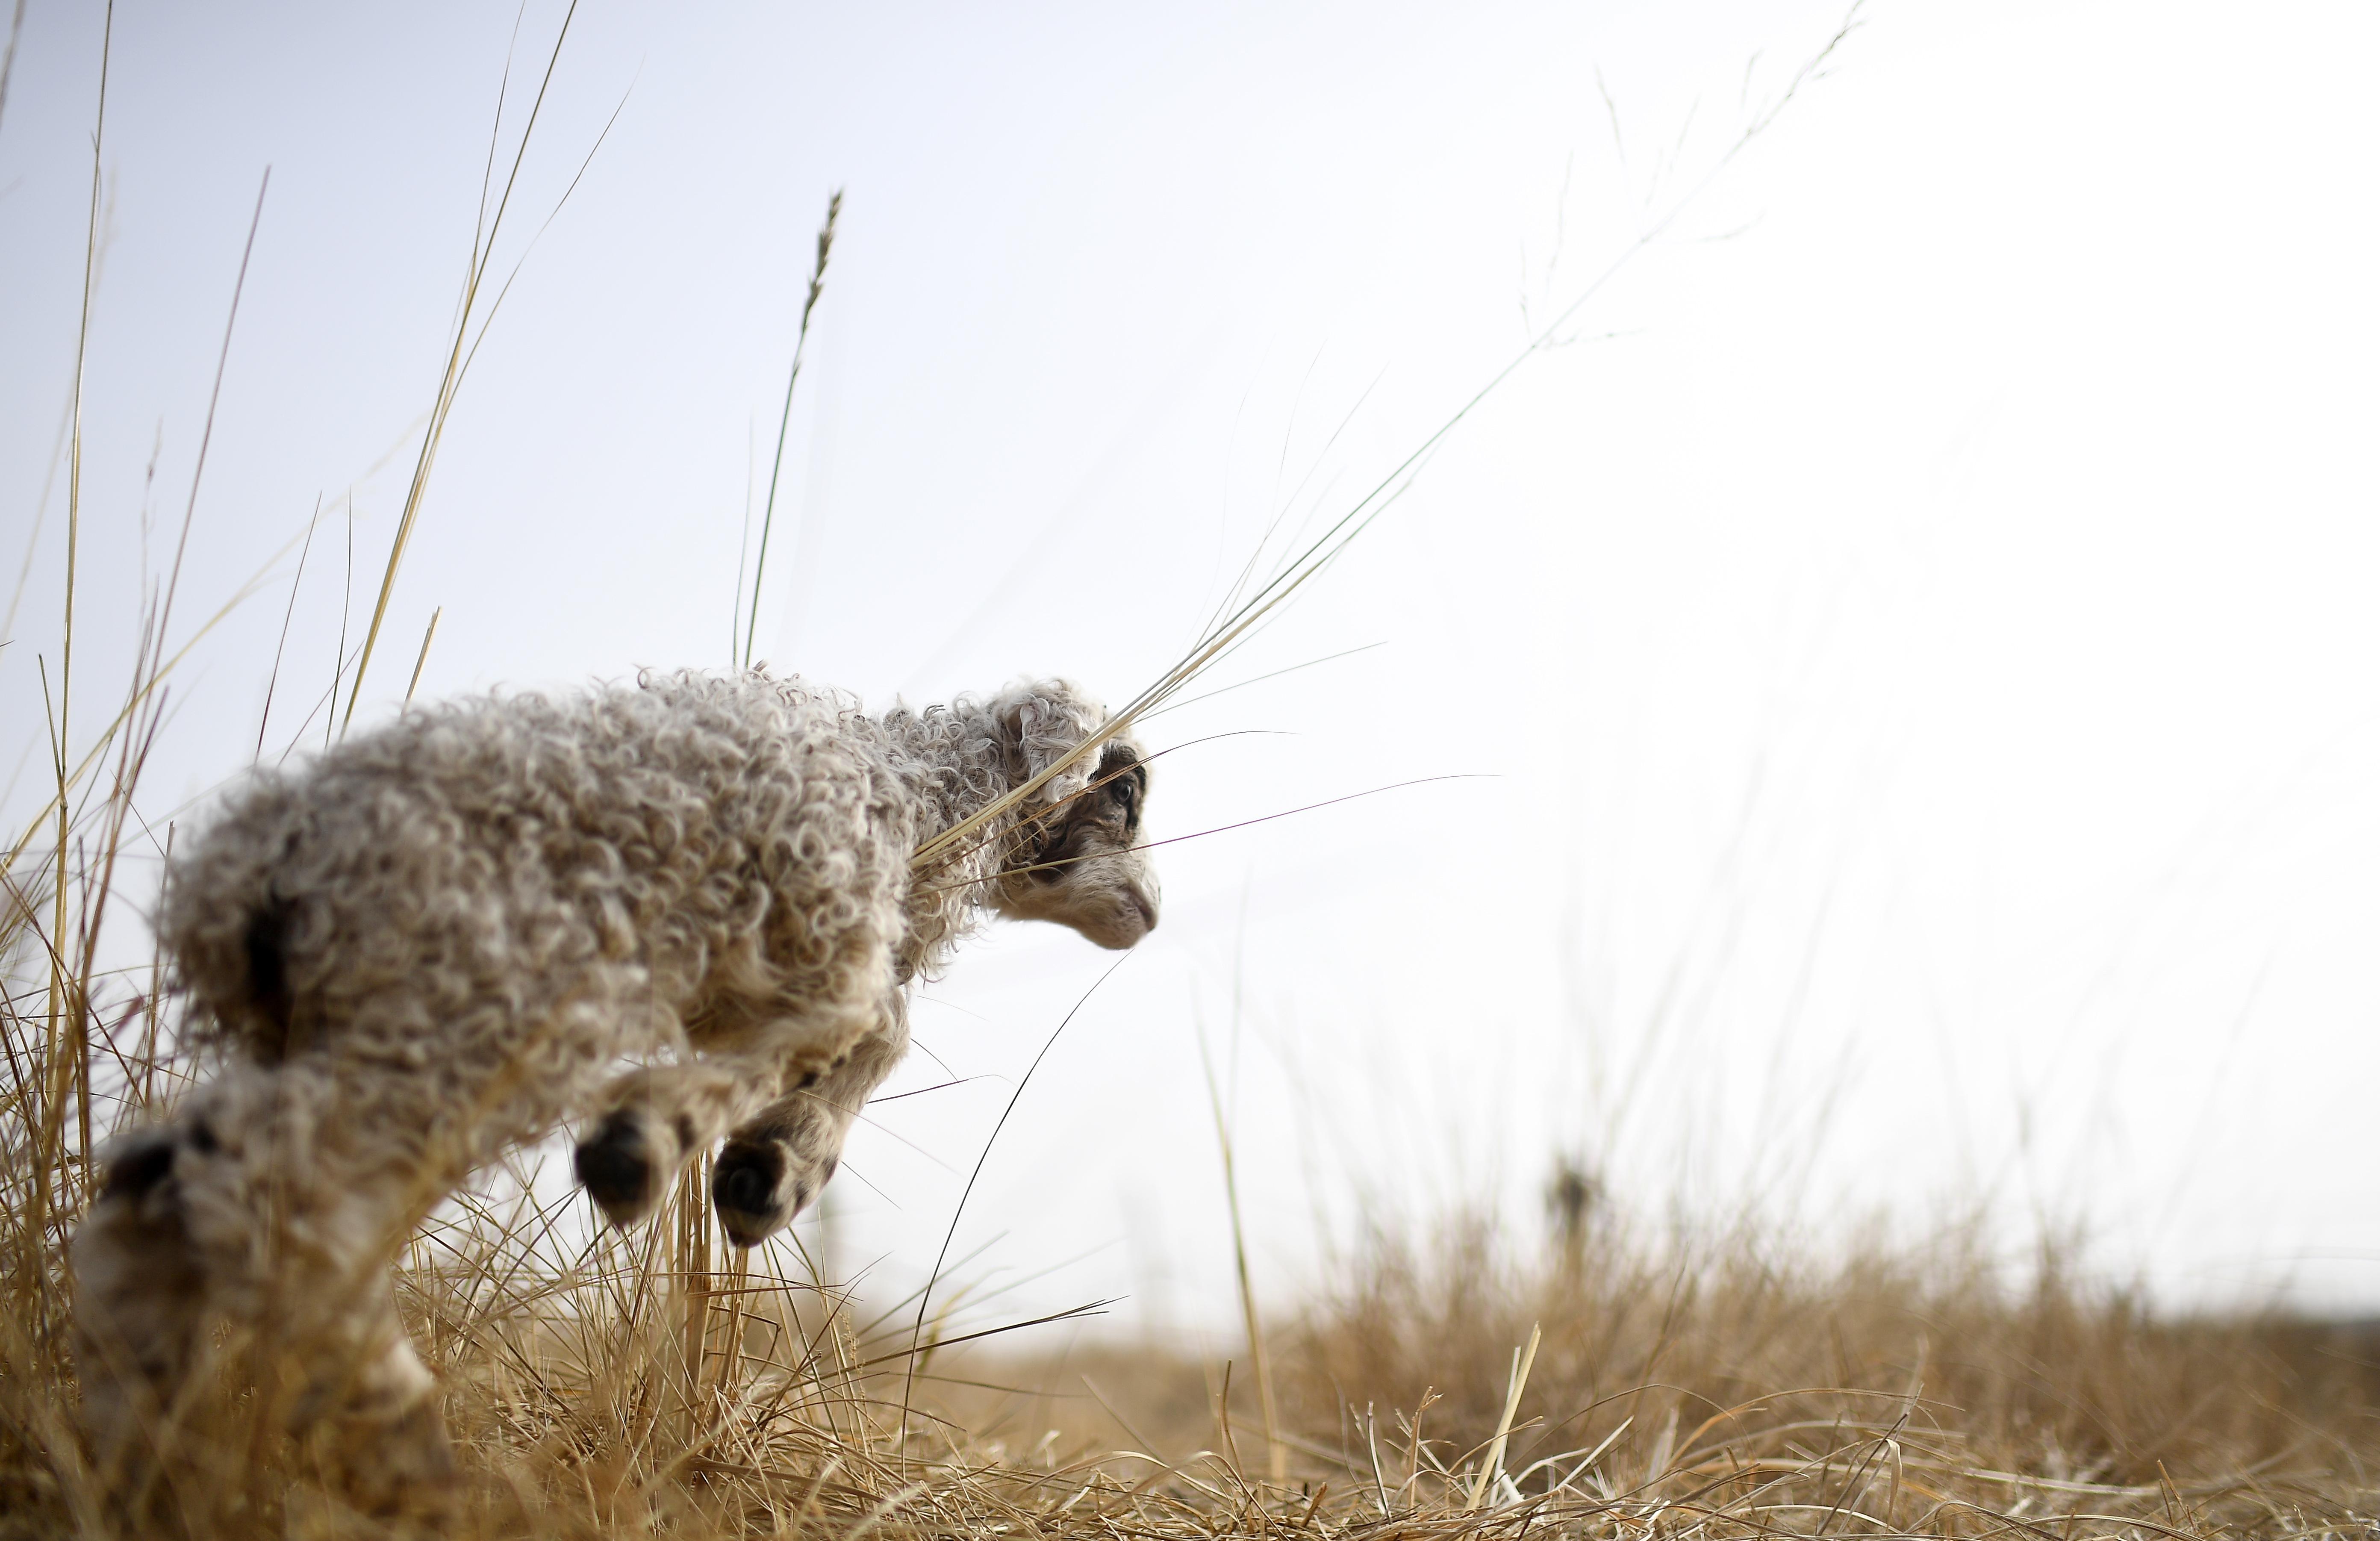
pixel 441 938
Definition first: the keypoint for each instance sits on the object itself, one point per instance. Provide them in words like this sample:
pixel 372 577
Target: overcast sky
pixel 1914 632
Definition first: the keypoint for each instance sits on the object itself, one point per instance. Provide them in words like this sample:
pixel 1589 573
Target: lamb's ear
pixel 1045 720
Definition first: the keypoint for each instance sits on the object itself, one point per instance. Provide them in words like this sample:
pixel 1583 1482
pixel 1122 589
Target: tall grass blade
pixel 785 416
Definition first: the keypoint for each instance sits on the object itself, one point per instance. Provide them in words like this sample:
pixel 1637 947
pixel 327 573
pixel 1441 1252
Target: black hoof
pixel 617 1166
pixel 744 1187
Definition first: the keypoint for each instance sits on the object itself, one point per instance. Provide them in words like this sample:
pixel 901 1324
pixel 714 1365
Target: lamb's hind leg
pixel 241 1210
pixel 141 1314
pixel 379 1426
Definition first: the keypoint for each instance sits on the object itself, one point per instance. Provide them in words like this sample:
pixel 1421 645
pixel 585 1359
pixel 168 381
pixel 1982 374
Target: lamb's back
pixel 493 841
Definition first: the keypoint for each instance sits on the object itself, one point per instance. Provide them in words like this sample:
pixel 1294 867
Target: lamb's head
pixel 1076 856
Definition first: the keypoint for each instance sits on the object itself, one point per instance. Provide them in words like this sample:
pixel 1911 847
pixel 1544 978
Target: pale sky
pixel 1915 634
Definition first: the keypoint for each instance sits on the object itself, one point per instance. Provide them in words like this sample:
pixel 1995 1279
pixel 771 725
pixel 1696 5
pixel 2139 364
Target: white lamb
pixel 441 938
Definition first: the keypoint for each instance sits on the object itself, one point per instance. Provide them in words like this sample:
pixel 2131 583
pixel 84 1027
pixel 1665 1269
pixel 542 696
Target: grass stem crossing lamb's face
pixel 440 938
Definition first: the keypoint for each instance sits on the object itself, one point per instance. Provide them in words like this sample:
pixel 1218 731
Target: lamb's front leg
pixel 657 1118
pixel 653 1121
pixel 774 1165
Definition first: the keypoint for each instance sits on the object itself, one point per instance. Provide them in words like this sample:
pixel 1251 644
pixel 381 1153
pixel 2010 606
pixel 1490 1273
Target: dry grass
pixel 1722 1386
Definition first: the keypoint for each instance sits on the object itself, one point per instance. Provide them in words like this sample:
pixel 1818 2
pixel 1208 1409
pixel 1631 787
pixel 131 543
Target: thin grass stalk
pixel 207 431
pixel 730 1370
pixel 785 418
pixel 743 558
pixel 40 1116
pixel 339 655
pixel 273 681
pixel 8 59
pixel 1492 1466
pixel 119 805
pixel 44 1117
pixel 1276 1454
pixel 421 657
pixel 1215 829
pixel 690 1267
pixel 916 1330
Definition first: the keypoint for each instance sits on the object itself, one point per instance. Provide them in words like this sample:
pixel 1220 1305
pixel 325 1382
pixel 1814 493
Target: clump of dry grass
pixel 1726 1386
pixel 1730 1380
pixel 1717 1385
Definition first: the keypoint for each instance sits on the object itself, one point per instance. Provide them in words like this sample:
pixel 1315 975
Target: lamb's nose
pixel 1147 907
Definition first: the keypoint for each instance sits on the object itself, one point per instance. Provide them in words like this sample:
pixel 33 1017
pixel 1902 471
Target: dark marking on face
pixel 683 1128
